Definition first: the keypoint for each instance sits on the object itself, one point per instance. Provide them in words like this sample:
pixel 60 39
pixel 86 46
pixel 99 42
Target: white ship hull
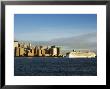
pixel 81 55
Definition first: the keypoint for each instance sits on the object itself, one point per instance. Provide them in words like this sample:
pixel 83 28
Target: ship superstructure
pixel 79 54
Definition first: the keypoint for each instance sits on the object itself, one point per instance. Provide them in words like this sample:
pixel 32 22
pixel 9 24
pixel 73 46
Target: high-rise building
pixel 16 51
pixel 31 52
pixel 53 46
pixel 15 47
pixel 35 51
pixel 39 52
pixel 54 51
pixel 19 45
pixel 29 45
pixel 41 47
pixel 58 51
pixel 25 46
pixel 21 52
pixel 43 52
pixel 22 44
pixel 15 44
pixel 47 51
pixel 50 51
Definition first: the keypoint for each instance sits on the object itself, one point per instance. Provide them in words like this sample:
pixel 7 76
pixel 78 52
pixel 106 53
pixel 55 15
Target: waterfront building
pixel 25 51
pixel 21 51
pixel 25 46
pixel 50 51
pixel 54 51
pixel 47 51
pixel 39 52
pixel 16 51
pixel 41 47
pixel 31 52
pixel 22 44
pixel 58 51
pixel 15 44
pixel 15 48
pixel 29 45
pixel 47 55
pixel 53 46
pixel 35 51
pixel 43 52
pixel 19 45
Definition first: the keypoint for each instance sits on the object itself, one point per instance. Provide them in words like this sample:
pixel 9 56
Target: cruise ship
pixel 78 54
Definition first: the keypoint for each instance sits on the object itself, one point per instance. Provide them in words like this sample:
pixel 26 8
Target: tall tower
pixel 29 45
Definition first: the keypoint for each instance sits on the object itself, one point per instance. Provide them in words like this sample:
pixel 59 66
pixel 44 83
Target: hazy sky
pixel 45 27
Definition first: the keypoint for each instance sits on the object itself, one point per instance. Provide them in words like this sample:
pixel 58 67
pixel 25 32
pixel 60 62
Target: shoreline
pixel 54 57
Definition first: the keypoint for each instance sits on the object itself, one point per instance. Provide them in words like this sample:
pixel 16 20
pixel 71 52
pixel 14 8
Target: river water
pixel 40 66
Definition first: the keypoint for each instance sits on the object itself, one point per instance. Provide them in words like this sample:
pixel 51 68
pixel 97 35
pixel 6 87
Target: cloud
pixel 85 41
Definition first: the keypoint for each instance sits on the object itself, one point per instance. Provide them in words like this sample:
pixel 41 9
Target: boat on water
pixel 78 54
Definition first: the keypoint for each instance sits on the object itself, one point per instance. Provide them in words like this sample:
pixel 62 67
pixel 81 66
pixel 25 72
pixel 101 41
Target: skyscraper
pixel 21 52
pixel 31 52
pixel 16 51
pixel 39 52
pixel 35 51
pixel 58 51
pixel 15 44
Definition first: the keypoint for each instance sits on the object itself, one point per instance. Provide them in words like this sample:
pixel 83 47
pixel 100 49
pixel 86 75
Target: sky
pixel 73 29
pixel 45 27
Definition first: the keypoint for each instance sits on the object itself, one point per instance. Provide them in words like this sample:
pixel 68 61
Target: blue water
pixel 25 66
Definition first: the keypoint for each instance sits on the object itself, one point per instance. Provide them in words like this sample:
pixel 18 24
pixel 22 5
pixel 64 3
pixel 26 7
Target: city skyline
pixel 23 50
pixel 52 27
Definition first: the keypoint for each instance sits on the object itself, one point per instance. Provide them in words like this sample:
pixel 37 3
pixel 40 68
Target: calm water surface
pixel 36 66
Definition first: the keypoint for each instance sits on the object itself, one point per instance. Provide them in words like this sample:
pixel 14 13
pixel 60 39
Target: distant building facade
pixel 16 51
pixel 21 49
pixel 15 44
